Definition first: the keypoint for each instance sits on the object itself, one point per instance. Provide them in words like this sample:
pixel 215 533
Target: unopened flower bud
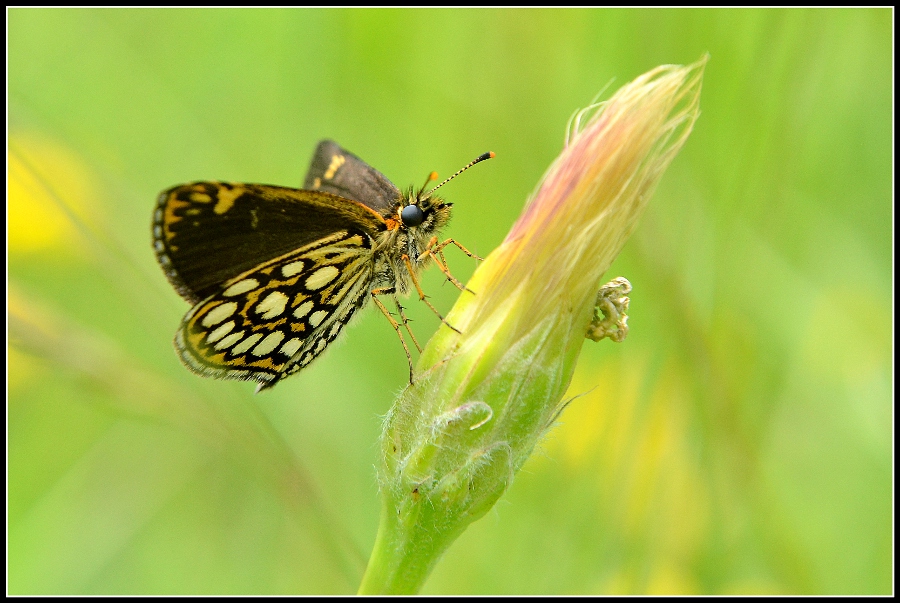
pixel 487 393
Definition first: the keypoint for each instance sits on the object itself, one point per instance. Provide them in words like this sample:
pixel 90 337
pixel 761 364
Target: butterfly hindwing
pixel 272 320
pixel 336 170
pixel 206 233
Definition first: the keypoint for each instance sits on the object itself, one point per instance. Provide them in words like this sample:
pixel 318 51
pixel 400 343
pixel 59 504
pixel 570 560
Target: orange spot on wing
pixel 170 216
pixel 266 363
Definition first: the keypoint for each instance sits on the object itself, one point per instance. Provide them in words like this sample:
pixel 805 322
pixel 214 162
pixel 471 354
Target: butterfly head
pixel 420 212
pixel 425 211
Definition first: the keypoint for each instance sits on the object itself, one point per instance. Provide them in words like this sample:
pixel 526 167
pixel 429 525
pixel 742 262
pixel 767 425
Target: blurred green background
pixel 739 441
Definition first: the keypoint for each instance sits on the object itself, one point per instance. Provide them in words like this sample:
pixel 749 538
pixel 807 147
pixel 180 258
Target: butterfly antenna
pixel 431 176
pixel 478 159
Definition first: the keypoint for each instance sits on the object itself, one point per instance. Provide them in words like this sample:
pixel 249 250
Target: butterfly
pixel 274 273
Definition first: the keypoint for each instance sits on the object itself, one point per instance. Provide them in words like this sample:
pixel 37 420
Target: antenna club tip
pixel 491 155
pixel 433 175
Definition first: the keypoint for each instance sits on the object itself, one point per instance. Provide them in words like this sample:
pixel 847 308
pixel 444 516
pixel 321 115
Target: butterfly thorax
pixel 400 239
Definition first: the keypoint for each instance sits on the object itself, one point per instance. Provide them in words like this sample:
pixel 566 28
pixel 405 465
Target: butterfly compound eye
pixel 412 215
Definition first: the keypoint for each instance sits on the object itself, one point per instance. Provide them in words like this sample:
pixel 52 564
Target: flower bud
pixel 485 395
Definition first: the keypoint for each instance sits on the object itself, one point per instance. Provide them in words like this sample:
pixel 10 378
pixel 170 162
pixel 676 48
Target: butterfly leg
pixel 422 297
pixel 436 251
pixel 391 291
pixel 406 323
pixel 440 247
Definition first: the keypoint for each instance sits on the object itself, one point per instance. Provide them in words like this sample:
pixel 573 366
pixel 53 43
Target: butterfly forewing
pixel 272 320
pixel 336 170
pixel 206 233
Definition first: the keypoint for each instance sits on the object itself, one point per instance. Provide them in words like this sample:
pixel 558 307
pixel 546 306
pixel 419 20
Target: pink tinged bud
pixel 590 199
pixel 485 394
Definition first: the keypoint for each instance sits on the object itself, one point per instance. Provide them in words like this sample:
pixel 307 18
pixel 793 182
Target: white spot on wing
pixel 292 269
pixel 335 328
pixel 246 344
pixel 218 314
pixel 317 318
pixel 303 309
pixel 321 277
pixel 268 344
pixel 220 332
pixel 273 305
pixel 291 346
pixel 230 340
pixel 248 284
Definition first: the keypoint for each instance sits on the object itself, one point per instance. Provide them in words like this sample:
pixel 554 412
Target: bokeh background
pixel 739 441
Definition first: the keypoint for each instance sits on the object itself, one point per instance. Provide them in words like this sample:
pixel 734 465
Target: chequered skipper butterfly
pixel 274 273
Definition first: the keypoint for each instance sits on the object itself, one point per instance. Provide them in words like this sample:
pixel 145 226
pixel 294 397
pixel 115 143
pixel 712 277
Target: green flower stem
pixel 400 562
pixel 486 393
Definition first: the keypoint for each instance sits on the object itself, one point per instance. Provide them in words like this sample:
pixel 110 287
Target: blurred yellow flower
pixel 49 188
